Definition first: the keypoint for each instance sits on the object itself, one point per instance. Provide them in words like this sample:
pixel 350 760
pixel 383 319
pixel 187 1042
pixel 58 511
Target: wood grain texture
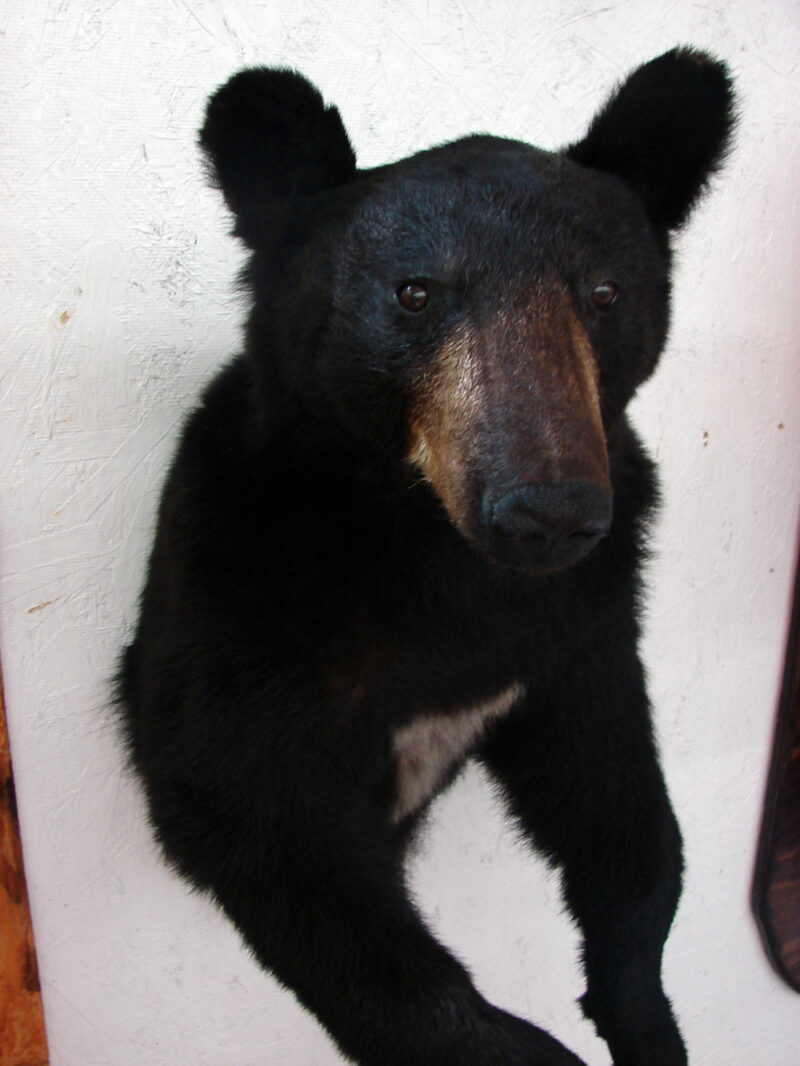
pixel 776 894
pixel 22 1034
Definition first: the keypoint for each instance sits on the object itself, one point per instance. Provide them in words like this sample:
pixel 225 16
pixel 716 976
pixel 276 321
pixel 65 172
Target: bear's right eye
pixel 413 296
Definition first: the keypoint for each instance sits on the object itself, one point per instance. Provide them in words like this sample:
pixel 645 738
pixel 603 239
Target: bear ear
pixel 665 131
pixel 268 136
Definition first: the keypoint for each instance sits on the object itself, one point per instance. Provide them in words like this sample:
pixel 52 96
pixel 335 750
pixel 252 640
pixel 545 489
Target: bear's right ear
pixel 268 137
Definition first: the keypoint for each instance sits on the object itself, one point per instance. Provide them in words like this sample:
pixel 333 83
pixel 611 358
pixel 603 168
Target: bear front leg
pixel 317 891
pixel 579 768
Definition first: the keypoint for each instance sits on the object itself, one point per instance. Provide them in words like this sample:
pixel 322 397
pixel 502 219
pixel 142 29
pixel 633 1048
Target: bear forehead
pixel 483 169
pixel 480 157
pixel 480 189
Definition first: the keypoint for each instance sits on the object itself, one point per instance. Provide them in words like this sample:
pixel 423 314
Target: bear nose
pixel 549 525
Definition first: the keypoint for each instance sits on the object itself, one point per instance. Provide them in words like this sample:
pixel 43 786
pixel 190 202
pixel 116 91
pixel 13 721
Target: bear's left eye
pixel 413 296
pixel 604 294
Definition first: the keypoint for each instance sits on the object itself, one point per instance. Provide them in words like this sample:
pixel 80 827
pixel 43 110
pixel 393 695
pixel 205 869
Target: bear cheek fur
pixel 510 403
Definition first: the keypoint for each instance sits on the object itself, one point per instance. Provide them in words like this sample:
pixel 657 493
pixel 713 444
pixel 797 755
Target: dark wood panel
pixel 776 893
pixel 22 1035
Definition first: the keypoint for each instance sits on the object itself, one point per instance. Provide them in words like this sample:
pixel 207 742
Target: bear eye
pixel 413 296
pixel 604 294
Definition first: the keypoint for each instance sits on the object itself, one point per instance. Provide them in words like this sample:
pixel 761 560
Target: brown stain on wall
pixel 22 1034
pixel 41 606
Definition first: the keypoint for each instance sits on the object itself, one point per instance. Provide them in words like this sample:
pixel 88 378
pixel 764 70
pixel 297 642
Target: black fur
pixel 665 131
pixel 310 595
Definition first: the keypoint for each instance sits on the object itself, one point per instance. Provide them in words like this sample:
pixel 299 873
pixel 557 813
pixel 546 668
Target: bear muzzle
pixel 507 428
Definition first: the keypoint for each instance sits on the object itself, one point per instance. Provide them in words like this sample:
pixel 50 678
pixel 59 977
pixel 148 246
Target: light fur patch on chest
pixel 427 749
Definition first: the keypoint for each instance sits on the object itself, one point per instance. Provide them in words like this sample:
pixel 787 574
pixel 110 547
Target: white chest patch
pixel 427 748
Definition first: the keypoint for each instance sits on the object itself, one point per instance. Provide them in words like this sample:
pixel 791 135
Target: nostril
pixel 585 534
pixel 516 515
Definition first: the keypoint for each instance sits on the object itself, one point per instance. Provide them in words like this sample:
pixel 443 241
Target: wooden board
pixel 22 1035
pixel 776 891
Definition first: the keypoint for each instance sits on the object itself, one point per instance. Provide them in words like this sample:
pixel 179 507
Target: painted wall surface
pixel 119 301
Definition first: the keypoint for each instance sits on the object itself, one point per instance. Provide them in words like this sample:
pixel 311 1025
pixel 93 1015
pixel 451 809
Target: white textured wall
pixel 117 277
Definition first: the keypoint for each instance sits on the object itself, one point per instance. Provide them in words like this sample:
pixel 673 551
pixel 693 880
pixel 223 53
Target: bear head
pixel 480 313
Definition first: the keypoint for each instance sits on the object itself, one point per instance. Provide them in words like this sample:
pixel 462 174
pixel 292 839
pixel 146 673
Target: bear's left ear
pixel 269 139
pixel 665 131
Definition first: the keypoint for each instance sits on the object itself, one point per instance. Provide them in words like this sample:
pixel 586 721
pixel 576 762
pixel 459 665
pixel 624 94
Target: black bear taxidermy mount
pixel 403 528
